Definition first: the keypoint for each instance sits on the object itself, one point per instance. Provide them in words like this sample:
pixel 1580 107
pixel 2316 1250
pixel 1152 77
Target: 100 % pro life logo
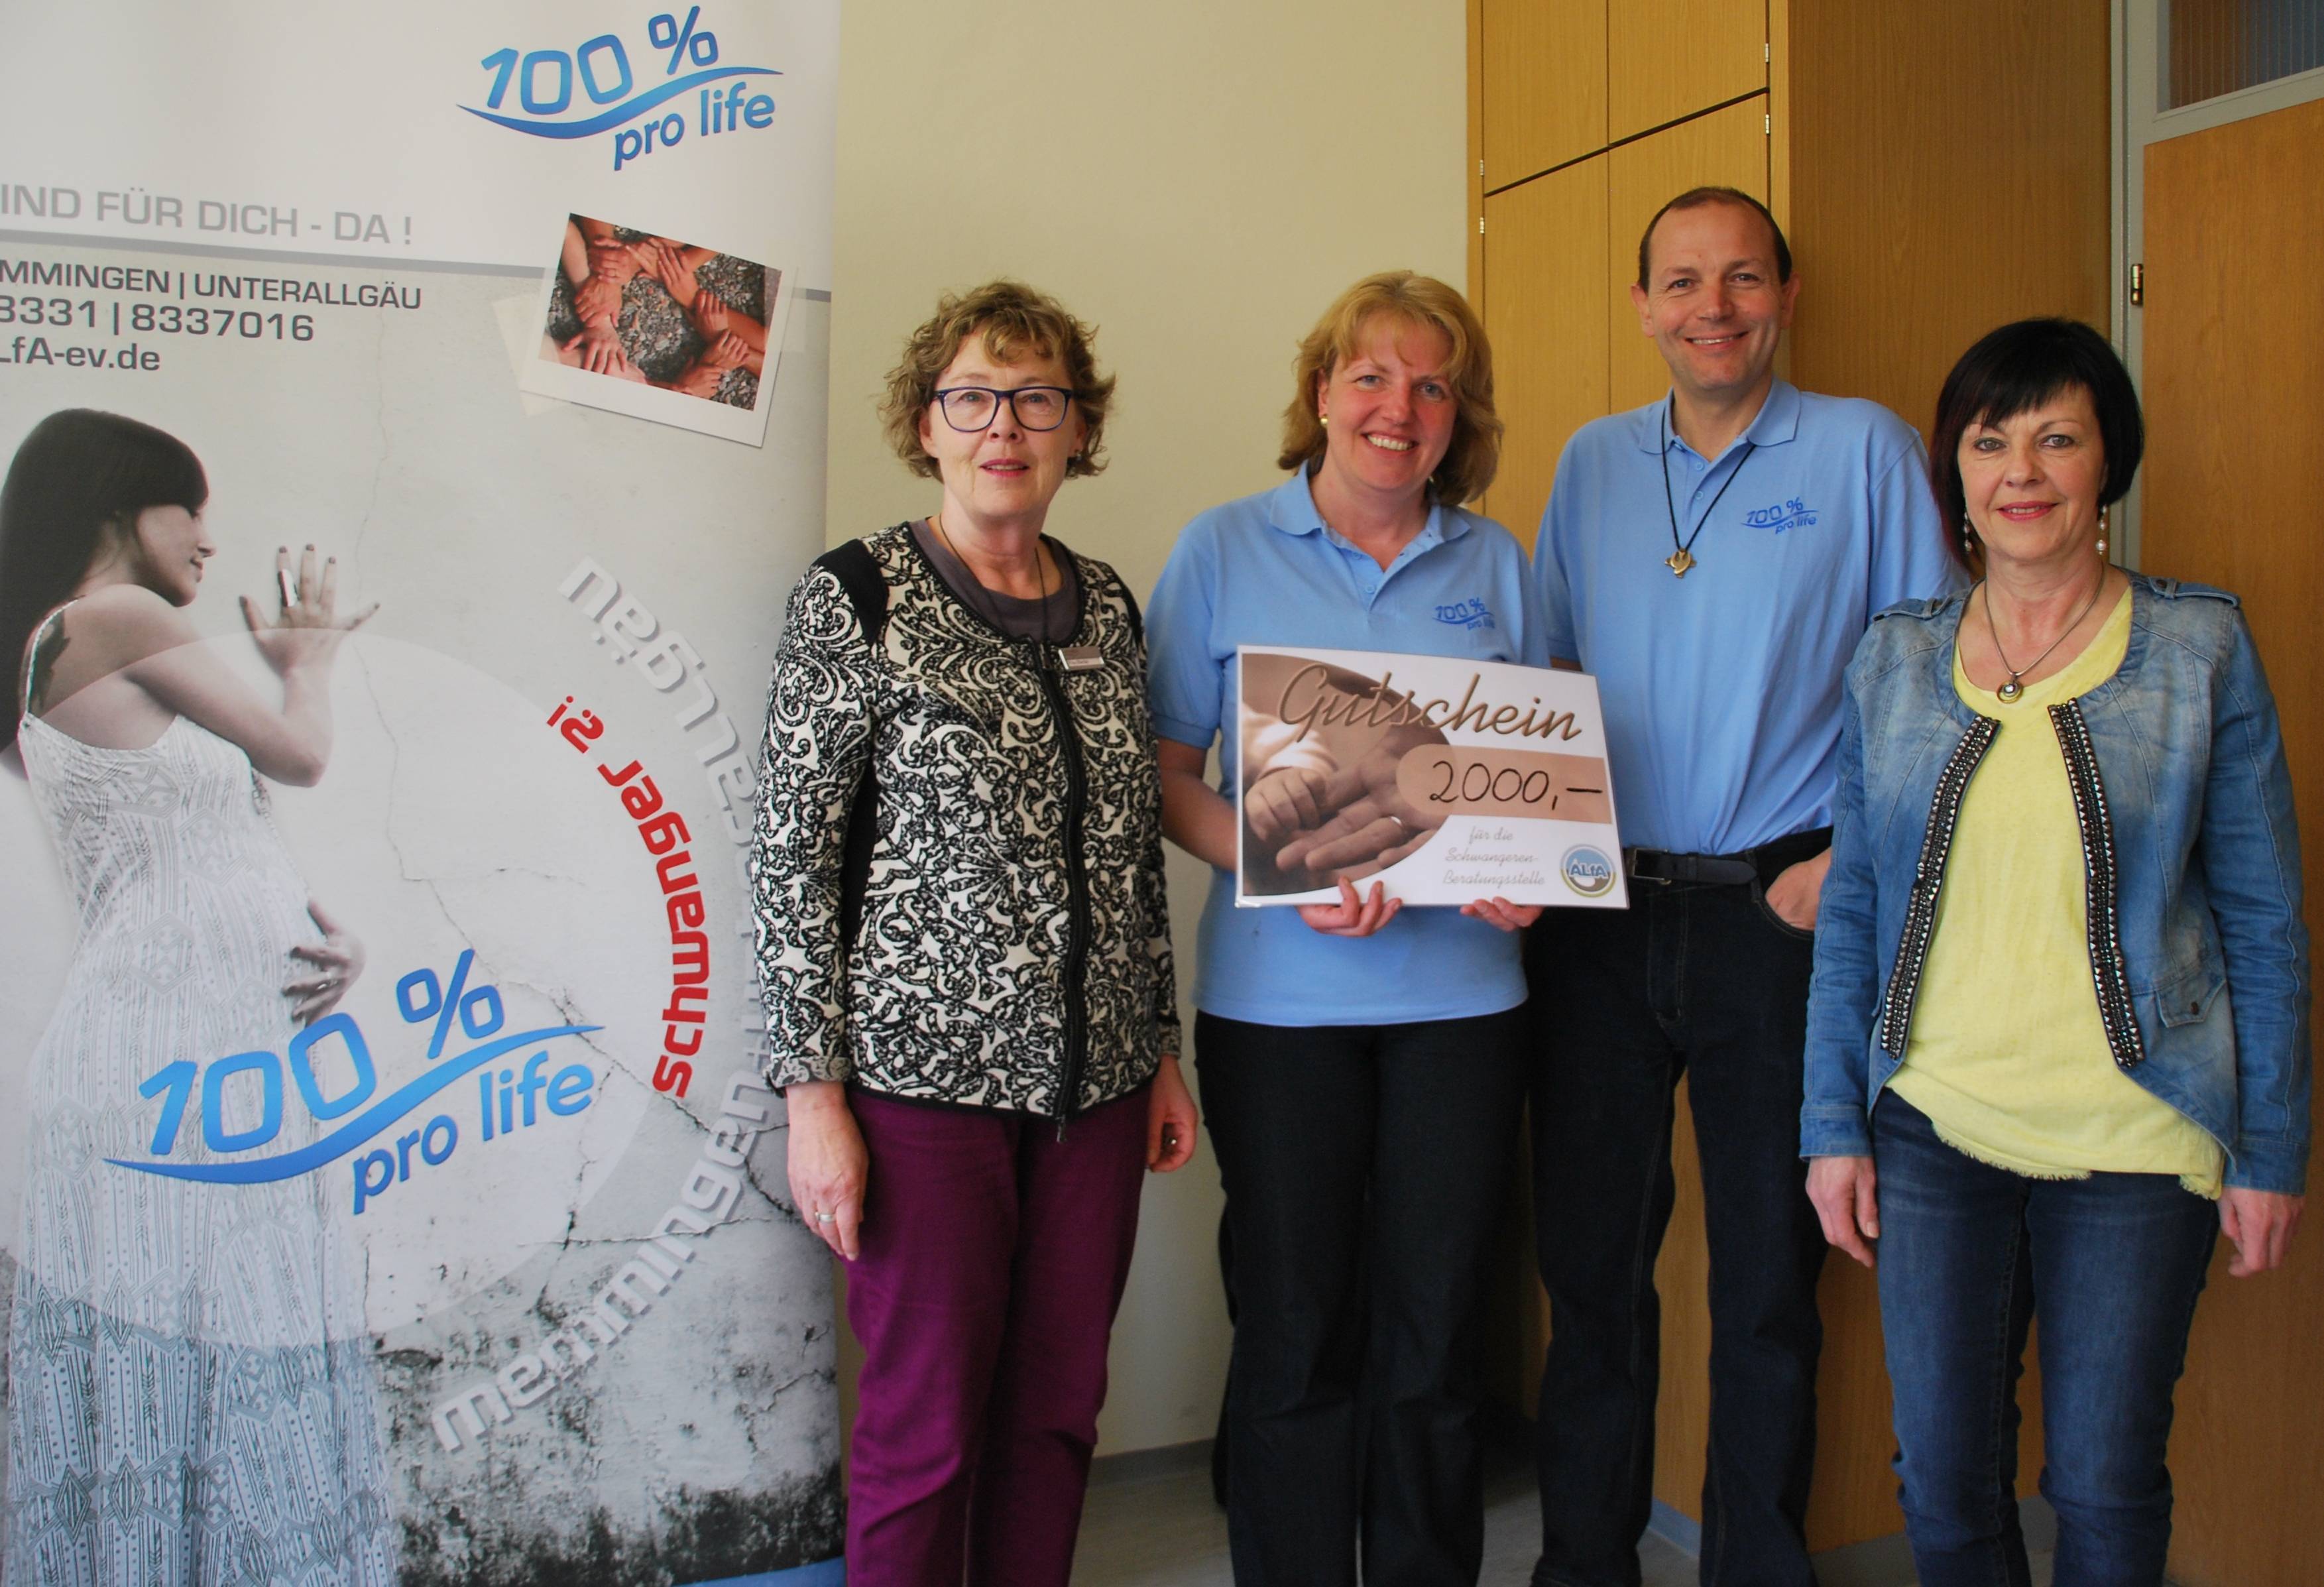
pixel 509 1099
pixel 545 80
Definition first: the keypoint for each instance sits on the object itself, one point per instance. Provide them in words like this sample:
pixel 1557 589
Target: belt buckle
pixel 1630 868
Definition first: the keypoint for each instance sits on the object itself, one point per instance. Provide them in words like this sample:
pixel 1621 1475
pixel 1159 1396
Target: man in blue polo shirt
pixel 1712 558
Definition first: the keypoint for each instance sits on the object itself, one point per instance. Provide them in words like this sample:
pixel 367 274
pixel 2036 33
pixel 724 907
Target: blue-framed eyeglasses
pixel 972 408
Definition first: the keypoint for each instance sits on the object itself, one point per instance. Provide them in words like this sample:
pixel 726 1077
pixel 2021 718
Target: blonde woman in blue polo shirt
pixel 1361 1066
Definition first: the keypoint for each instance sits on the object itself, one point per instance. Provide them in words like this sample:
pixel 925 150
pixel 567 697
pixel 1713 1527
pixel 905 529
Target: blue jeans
pixel 1704 982
pixel 1968 1255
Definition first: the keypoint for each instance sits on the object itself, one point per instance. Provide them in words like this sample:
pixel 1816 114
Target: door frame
pixel 2138 121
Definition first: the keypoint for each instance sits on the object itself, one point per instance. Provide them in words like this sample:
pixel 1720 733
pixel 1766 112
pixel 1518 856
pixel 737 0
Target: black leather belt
pixel 1762 864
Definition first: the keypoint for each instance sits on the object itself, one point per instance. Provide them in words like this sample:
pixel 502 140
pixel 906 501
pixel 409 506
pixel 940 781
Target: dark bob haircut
pixel 2018 368
pixel 1696 198
pixel 78 477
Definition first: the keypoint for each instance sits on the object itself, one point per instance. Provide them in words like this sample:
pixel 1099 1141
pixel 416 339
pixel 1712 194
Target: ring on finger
pixel 824 1217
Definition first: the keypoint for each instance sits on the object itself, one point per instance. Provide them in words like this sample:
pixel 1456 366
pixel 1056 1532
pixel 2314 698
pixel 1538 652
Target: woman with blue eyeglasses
pixel 965 948
pixel 2058 1037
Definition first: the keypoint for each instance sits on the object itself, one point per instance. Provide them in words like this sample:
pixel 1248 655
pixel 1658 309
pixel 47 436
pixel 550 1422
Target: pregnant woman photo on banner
pixel 191 1396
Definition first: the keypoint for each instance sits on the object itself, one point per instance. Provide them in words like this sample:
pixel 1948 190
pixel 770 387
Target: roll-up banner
pixel 467 1258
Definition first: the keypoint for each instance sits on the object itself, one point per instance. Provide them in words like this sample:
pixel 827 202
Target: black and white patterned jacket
pixel 996 934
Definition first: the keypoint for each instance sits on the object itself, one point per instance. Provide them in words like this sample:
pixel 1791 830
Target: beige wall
pixel 1198 180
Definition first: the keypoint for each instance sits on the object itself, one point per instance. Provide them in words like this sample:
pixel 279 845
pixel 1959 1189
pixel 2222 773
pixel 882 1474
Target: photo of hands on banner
pixel 1423 771
pixel 636 307
pixel 632 320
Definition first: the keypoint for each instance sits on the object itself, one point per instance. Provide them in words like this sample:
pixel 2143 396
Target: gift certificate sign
pixel 1446 780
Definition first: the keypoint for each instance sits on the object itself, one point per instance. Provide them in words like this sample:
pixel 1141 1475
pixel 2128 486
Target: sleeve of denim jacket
pixel 2249 846
pixel 1833 1121
pixel 818 748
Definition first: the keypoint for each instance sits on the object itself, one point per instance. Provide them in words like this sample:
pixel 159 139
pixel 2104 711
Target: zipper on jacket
pixel 1078 900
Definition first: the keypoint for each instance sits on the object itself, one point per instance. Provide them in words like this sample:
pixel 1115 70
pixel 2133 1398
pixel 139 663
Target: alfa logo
pixel 1586 870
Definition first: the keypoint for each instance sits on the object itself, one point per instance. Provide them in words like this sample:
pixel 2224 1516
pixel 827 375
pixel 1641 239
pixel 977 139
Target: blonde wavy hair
pixel 1015 321
pixel 1421 301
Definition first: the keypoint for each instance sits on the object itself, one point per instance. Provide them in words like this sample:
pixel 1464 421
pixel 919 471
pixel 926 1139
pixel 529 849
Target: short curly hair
pixel 1015 321
pixel 1475 455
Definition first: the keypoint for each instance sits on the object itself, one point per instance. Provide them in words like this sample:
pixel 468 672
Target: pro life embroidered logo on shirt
pixel 1471 614
pixel 1793 514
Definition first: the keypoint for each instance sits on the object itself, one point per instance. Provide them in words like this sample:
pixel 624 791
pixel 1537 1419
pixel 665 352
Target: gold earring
pixel 1325 420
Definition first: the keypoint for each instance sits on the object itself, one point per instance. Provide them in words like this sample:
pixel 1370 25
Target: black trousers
pixel 1363 1169
pixel 1701 981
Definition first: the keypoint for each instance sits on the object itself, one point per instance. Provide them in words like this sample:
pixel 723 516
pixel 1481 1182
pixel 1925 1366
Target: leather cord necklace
pixel 1055 627
pixel 2009 692
pixel 1682 557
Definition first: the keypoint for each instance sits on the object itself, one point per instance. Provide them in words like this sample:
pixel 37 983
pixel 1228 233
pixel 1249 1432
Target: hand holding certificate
pixel 1447 781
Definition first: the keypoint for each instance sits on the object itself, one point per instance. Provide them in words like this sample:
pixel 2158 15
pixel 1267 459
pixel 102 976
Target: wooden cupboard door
pixel 1920 225
pixel 1727 149
pixel 1544 65
pixel 1544 309
pixel 1670 59
pixel 2234 471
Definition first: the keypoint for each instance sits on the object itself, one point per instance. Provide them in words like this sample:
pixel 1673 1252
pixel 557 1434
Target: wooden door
pixel 1726 148
pixel 2234 474
pixel 1543 63
pixel 1668 58
pixel 1545 258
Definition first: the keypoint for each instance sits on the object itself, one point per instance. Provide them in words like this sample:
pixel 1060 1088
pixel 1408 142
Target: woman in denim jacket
pixel 2061 949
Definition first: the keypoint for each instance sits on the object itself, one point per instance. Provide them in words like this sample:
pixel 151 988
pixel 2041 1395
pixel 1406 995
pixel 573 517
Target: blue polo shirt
pixel 1723 689
pixel 1266 571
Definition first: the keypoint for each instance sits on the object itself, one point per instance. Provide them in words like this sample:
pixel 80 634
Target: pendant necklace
pixel 1682 557
pixel 2009 692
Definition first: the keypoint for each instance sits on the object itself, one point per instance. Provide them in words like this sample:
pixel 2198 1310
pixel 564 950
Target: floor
pixel 1150 1528
pixel 1151 1523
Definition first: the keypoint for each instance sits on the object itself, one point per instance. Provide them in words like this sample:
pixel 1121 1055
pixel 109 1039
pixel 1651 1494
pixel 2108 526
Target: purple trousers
pixel 993 1256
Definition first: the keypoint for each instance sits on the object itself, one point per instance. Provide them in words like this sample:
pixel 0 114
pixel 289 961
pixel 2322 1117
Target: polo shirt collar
pixel 1777 421
pixel 1291 508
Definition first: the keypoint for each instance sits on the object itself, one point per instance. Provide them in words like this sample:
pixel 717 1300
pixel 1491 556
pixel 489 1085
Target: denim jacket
pixel 2199 956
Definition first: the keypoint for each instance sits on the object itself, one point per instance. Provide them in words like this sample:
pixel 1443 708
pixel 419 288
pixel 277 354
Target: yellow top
pixel 2007 1055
